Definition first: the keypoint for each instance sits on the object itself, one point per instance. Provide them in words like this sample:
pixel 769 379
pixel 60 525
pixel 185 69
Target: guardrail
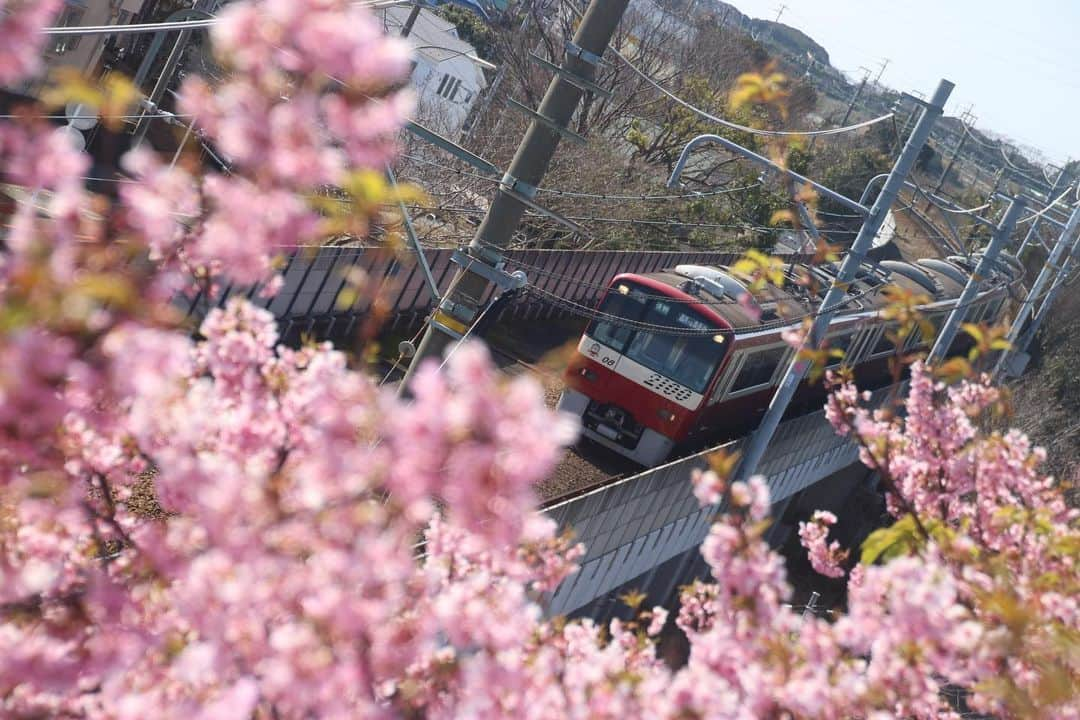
pixel 634 525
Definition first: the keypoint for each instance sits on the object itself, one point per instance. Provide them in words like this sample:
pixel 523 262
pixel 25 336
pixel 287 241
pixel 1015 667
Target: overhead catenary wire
pixel 90 117
pixel 168 25
pixel 636 221
pixel 1000 147
pixel 945 208
pixel 595 196
pixel 1051 205
pixel 743 128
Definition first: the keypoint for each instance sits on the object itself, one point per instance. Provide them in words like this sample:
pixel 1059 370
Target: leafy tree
pixel 472 29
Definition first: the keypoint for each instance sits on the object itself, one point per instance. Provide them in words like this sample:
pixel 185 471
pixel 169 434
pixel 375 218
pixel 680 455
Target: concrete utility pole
pixel 855 97
pixel 997 241
pixel 461 305
pixel 949 165
pixel 796 370
pixel 406 29
pixel 1067 236
pixel 914 112
pixel 884 64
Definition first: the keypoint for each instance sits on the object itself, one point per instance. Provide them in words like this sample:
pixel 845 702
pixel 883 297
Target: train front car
pixel 644 367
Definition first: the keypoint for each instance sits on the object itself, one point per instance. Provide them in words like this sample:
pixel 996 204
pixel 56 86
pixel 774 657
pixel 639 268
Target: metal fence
pixel 316 298
pixel 635 525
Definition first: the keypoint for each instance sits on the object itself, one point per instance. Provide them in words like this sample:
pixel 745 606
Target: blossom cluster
pixel 1000 532
pixel 224 526
pixel 20 28
pixel 825 557
pixel 312 94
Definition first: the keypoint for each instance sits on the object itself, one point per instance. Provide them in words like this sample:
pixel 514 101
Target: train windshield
pixel 684 350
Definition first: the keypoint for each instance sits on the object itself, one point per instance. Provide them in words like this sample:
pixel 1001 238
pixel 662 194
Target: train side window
pixel 843 343
pixel 975 313
pixel 914 340
pixel 758 368
pixel 883 345
pixel 937 320
pixel 864 343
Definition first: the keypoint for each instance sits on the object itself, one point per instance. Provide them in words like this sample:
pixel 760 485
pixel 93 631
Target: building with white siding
pixel 447 74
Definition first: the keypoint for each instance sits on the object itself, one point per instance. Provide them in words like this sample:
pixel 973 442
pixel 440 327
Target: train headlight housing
pixel 666 415
pixel 587 374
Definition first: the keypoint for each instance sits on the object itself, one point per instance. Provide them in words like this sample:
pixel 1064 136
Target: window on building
pixel 442 84
pixel 448 86
pixel 70 16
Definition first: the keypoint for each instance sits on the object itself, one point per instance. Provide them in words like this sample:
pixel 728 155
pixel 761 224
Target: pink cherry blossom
pixel 222 526
pixel 825 557
pixel 20 37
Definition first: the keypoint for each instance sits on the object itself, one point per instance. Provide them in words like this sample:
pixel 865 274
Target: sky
pixel 1016 63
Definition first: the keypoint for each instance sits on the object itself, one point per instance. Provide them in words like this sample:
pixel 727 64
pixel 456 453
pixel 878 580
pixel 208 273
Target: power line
pixel 92 117
pixel 1049 207
pixel 596 196
pixel 167 26
pixel 684 196
pixel 945 208
pixel 636 221
pixel 744 128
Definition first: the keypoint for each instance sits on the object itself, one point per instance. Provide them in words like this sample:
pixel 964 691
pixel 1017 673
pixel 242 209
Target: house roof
pixel 432 37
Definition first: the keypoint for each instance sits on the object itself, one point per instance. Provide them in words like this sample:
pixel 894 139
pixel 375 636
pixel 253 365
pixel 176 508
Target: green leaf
pixel 887 543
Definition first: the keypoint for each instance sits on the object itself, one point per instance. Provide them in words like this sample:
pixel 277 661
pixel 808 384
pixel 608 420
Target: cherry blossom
pixel 20 37
pixel 825 557
pixel 207 523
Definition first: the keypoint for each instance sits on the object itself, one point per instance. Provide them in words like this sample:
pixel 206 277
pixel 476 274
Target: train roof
pixel 719 287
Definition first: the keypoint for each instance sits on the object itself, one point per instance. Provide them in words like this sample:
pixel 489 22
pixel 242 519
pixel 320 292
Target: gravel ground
pixel 585 465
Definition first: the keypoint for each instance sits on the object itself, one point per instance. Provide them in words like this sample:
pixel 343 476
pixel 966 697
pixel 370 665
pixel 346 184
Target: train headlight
pixel 587 374
pixel 666 415
pixel 718 338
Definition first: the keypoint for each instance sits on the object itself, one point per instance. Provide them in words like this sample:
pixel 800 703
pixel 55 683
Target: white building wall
pixel 447 77
pixel 446 93
pixel 84 52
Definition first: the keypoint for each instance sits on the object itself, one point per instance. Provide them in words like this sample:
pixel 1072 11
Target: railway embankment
pixel 1046 399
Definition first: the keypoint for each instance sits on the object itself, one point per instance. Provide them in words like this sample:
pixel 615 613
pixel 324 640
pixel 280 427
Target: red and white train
pixel 674 360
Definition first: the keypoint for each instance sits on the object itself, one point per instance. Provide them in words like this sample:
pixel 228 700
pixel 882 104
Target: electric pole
pixel 406 29
pixel 1047 303
pixel 1001 236
pixel 462 304
pixel 851 105
pixel 949 165
pixel 855 97
pixel 1035 292
pixel 884 64
pixel 834 299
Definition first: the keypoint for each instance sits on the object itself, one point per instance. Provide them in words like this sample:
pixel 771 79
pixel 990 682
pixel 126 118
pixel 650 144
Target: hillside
pixel 780 37
pixel 1047 398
